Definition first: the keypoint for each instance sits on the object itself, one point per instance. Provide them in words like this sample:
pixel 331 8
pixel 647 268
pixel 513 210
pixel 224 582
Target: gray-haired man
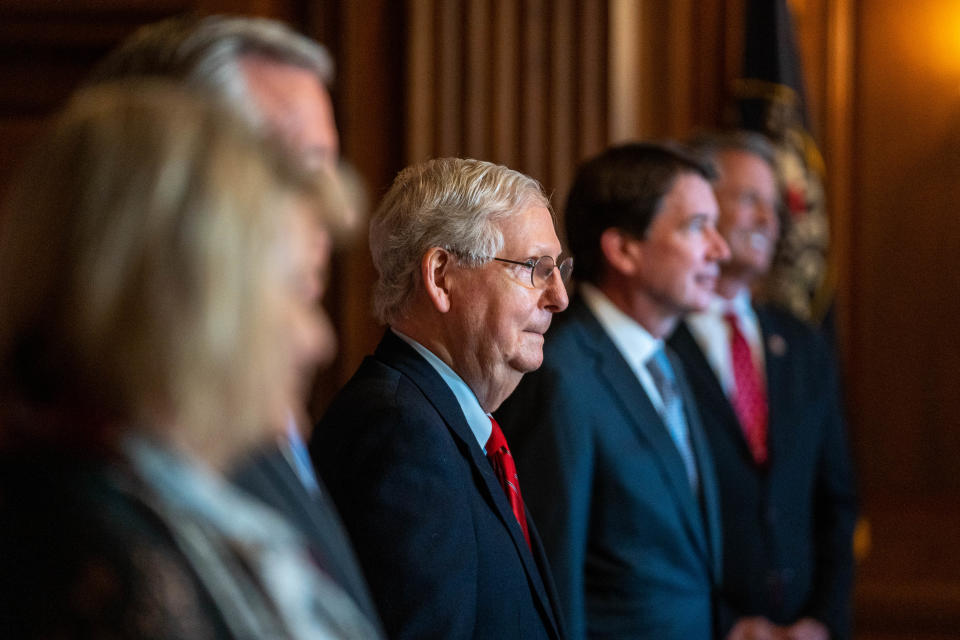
pixel 470 275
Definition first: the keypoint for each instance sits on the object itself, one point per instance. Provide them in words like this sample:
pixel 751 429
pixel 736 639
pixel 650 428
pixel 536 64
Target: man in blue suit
pixel 768 393
pixel 470 276
pixel 616 468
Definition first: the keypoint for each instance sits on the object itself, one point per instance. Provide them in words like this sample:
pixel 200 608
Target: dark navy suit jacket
pixel 440 546
pixel 787 529
pixel 635 553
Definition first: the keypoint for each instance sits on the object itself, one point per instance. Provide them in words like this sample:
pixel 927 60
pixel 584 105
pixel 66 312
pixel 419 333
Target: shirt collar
pixel 187 485
pixel 294 449
pixel 628 334
pixel 740 305
pixel 477 419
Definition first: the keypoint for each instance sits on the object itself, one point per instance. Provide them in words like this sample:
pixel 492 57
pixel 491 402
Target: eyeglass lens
pixel 544 267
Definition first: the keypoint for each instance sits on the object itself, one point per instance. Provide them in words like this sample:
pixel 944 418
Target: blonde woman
pixel 154 256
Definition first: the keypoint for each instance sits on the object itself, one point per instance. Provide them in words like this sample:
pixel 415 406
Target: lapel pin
pixel 777 345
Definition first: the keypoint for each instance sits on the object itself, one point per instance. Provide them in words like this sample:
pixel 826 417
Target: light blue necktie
pixel 301 462
pixel 659 367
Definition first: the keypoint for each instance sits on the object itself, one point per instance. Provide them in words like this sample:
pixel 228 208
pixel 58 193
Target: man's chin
pixel 528 362
pixel 698 304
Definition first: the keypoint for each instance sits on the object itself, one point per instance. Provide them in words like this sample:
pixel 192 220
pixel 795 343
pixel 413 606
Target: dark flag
pixel 770 98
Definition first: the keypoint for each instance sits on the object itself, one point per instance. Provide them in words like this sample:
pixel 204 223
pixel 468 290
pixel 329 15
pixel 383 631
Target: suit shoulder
pixel 376 390
pixel 790 327
pixel 784 320
pixel 374 380
pixel 381 412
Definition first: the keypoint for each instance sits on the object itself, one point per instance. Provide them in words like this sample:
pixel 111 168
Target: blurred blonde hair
pixel 143 268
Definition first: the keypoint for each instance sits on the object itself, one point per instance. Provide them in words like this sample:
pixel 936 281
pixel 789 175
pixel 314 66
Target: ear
pixel 434 267
pixel 622 251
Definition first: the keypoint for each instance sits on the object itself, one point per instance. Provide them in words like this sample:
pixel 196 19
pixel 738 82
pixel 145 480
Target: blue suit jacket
pixel 634 552
pixel 440 546
pixel 787 529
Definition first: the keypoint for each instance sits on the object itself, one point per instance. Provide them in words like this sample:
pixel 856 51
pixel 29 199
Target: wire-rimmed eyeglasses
pixel 542 268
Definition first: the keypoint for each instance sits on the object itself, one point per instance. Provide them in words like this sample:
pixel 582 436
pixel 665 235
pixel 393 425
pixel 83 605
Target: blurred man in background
pixel 767 389
pixel 277 79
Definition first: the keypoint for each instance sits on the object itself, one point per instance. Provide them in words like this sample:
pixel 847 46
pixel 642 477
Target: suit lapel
pixel 712 399
pixel 336 555
pixel 644 417
pixel 709 492
pixel 404 358
pixel 543 566
pixel 775 347
pixel 700 372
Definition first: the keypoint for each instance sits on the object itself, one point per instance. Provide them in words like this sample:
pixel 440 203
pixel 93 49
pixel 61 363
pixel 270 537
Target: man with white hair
pixel 277 79
pixel 470 275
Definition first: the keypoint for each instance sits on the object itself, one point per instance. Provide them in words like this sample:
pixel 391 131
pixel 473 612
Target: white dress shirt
pixel 477 419
pixel 634 343
pixel 712 333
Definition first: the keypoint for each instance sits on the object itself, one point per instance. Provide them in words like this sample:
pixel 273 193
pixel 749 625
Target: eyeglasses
pixel 542 268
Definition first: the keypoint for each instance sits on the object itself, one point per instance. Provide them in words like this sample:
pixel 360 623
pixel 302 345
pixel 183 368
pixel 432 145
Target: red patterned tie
pixel 749 398
pixel 499 455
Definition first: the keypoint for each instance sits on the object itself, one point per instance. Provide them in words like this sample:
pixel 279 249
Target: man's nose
pixel 555 293
pixel 719 251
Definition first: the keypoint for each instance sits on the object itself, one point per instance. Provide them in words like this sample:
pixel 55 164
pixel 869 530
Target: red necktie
pixel 499 455
pixel 749 397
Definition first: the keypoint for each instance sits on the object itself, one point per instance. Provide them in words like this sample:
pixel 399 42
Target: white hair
pixel 452 203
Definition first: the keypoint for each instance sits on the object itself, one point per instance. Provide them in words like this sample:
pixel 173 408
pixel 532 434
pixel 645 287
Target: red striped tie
pixel 749 398
pixel 499 455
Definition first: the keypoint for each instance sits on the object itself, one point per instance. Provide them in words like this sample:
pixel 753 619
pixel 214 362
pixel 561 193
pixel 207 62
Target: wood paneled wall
pixel 904 301
pixel 367 41
pixel 522 84
pixel 883 82
pixel 48 46
pixel 45 49
pixel 539 85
